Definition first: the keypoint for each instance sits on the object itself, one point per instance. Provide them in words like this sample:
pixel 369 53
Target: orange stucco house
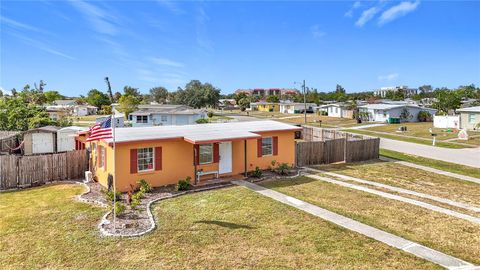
pixel 163 155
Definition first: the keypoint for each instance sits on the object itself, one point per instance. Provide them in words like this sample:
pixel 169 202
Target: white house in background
pixel 383 112
pixel 83 110
pixel 165 115
pixel 66 138
pixel 119 120
pixel 296 107
pixel 340 110
pixel 470 118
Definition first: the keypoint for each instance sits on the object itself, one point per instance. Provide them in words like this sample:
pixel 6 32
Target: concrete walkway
pixel 401 190
pixel 466 156
pixel 437 171
pixel 398 198
pixel 365 126
pixel 416 249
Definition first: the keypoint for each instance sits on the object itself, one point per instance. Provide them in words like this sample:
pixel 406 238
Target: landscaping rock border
pixel 93 196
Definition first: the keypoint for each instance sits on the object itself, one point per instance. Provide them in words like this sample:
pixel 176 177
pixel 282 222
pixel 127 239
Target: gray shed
pixel 41 140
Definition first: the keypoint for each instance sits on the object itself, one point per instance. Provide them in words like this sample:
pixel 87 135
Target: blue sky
pixel 73 45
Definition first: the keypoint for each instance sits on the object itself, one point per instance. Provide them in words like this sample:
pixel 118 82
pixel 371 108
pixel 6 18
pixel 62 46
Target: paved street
pixel 466 156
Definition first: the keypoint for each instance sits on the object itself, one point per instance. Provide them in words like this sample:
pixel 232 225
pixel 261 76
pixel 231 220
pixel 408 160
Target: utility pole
pixel 304 101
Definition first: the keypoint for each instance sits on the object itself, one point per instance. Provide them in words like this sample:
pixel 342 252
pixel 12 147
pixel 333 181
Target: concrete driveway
pixel 466 156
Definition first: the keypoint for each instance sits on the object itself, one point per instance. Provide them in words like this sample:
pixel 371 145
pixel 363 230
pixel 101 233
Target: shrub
pixel 202 121
pixel 424 116
pixel 136 198
pixel 111 195
pixel 119 208
pixel 210 114
pixel 273 164
pixel 144 186
pixel 257 173
pixel 283 168
pixel 184 184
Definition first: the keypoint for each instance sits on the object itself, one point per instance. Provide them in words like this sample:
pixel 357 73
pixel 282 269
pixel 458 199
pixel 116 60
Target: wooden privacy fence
pixel 26 171
pixel 324 146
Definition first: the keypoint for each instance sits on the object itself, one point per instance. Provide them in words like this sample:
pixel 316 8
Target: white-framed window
pixel 471 118
pixel 101 155
pixel 206 153
pixel 142 119
pixel 267 146
pixel 145 159
pixel 163 118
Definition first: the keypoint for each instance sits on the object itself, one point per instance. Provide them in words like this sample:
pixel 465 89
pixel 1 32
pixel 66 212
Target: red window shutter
pixel 196 154
pixel 259 147
pixel 216 153
pixel 133 161
pixel 275 145
pixel 158 158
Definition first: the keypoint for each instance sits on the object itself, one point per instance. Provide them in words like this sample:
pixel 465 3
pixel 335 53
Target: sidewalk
pixel 416 249
pixel 467 156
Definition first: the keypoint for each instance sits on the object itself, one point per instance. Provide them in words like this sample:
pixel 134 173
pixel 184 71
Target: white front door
pixel 225 152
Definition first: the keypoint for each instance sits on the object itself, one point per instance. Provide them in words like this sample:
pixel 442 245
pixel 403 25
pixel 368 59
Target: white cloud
pixel 172 6
pixel 366 16
pixel 101 20
pixel 203 40
pixel 42 46
pixel 355 5
pixel 388 77
pixel 317 32
pixel 397 11
pixel 18 25
pixel 166 62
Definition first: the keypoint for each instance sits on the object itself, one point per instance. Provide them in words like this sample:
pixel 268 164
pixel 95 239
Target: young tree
pixel 446 100
pixel 128 104
pixel 51 96
pixel 97 98
pixel 273 99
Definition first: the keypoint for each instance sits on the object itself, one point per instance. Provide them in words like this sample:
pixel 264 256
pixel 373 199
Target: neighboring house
pixel 264 106
pixel 470 118
pixel 296 107
pixel 384 112
pixel 227 104
pixel 263 92
pixel 65 102
pixel 340 110
pixel 41 140
pixel 83 110
pixel 66 139
pixel 56 112
pixel 165 115
pixel 163 155
pixel 119 120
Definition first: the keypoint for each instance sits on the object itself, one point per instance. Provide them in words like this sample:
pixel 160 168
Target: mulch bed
pixel 134 222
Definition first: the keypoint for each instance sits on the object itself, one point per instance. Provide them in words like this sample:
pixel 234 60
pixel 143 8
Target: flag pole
pixel 114 174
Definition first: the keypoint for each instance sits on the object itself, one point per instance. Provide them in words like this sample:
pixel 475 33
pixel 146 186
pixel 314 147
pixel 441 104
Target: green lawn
pixel 232 228
pixel 400 137
pixel 397 175
pixel 422 130
pixel 439 231
pixel 438 164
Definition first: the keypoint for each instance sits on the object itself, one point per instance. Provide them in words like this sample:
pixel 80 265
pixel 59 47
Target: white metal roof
pixel 470 109
pixel 201 133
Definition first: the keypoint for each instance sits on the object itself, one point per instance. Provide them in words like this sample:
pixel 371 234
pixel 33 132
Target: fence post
pixel 345 148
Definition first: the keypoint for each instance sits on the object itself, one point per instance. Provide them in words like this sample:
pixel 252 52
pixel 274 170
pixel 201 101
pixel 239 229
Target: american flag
pixel 101 131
